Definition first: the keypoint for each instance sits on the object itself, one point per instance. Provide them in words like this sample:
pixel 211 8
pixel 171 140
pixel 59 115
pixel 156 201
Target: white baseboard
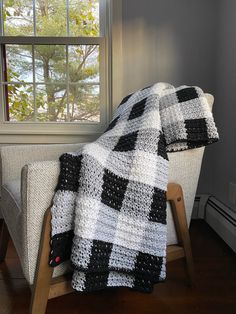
pixel 219 216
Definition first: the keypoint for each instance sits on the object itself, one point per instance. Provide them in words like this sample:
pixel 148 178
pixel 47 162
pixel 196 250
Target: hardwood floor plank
pixel 215 291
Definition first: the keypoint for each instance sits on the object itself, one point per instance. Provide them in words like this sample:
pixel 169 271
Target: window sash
pixel 69 128
pixel 87 127
pixel 103 9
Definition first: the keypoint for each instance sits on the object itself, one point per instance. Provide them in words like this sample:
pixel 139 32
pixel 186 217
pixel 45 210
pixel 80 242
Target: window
pixel 54 65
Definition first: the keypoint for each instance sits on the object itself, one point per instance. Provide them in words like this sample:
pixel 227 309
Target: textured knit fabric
pixel 111 195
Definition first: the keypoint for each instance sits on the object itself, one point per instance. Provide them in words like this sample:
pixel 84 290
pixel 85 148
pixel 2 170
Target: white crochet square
pixel 129 231
pixel 161 174
pixel 145 175
pixel 85 219
pixel 142 94
pixel 116 279
pixel 171 115
pixel 151 120
pixel 205 109
pixel 98 152
pixel 194 109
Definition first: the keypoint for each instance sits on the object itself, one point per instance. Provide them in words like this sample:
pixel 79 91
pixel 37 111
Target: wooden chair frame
pixel 45 287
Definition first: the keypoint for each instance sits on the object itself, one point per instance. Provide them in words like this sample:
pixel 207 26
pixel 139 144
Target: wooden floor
pixel 215 290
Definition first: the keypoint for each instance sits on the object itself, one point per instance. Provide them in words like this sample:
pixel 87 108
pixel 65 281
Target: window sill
pixel 55 133
pixel 8 128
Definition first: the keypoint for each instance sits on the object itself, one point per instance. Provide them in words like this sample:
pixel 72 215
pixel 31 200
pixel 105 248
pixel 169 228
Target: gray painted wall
pixel 176 42
pixel 224 153
pixel 169 40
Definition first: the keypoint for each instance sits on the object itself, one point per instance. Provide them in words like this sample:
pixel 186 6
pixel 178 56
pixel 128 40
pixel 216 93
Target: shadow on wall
pixel 169 40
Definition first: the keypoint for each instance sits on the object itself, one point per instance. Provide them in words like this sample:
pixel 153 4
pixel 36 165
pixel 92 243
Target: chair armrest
pixel 13 158
pixel 38 182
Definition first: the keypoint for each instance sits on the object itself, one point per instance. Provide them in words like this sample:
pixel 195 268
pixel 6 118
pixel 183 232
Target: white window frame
pixel 108 10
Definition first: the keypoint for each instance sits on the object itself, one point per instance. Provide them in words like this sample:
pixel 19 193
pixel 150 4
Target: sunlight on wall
pixel 150 54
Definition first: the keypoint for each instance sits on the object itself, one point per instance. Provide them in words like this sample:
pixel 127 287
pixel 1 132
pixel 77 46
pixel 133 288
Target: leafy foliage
pixel 66 77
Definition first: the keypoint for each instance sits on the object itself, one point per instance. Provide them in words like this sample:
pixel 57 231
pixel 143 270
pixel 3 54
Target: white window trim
pixel 111 78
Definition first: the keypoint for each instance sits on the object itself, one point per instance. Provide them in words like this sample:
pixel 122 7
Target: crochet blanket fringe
pixel 109 209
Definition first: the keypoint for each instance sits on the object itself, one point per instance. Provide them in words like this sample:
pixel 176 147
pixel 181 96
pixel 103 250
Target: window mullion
pixel 67 18
pixel 67 63
pixel 34 17
pixel 34 86
pixel 67 84
pixel 5 87
pixel 1 18
pixel 103 17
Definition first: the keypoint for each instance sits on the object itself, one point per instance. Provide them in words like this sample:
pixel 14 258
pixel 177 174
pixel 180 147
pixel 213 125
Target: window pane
pixel 84 103
pixel 84 18
pixel 19 63
pixel 19 102
pixel 51 100
pixel 51 18
pixel 18 17
pixel 50 63
pixel 84 96
pixel 83 63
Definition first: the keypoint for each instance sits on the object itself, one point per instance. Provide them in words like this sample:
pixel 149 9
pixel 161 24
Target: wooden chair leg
pixel 175 196
pixel 43 276
pixel 4 240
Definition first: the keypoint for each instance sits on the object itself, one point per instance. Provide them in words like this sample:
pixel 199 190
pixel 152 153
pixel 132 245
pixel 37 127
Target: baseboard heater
pixel 222 219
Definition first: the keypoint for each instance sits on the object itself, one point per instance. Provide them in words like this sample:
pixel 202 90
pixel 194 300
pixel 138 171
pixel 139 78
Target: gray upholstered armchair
pixel 29 176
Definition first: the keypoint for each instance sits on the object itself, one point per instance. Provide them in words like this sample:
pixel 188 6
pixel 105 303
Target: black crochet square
pixel 197 133
pixel 148 267
pixel 125 99
pixel 100 256
pixel 96 281
pixel 69 173
pixel 112 124
pixel 161 150
pixel 158 206
pixel 113 190
pixel 186 94
pixel 137 109
pixel 126 142
pixel 60 248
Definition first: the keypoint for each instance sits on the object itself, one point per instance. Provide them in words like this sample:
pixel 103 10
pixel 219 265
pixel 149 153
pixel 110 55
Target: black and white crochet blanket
pixel 111 196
